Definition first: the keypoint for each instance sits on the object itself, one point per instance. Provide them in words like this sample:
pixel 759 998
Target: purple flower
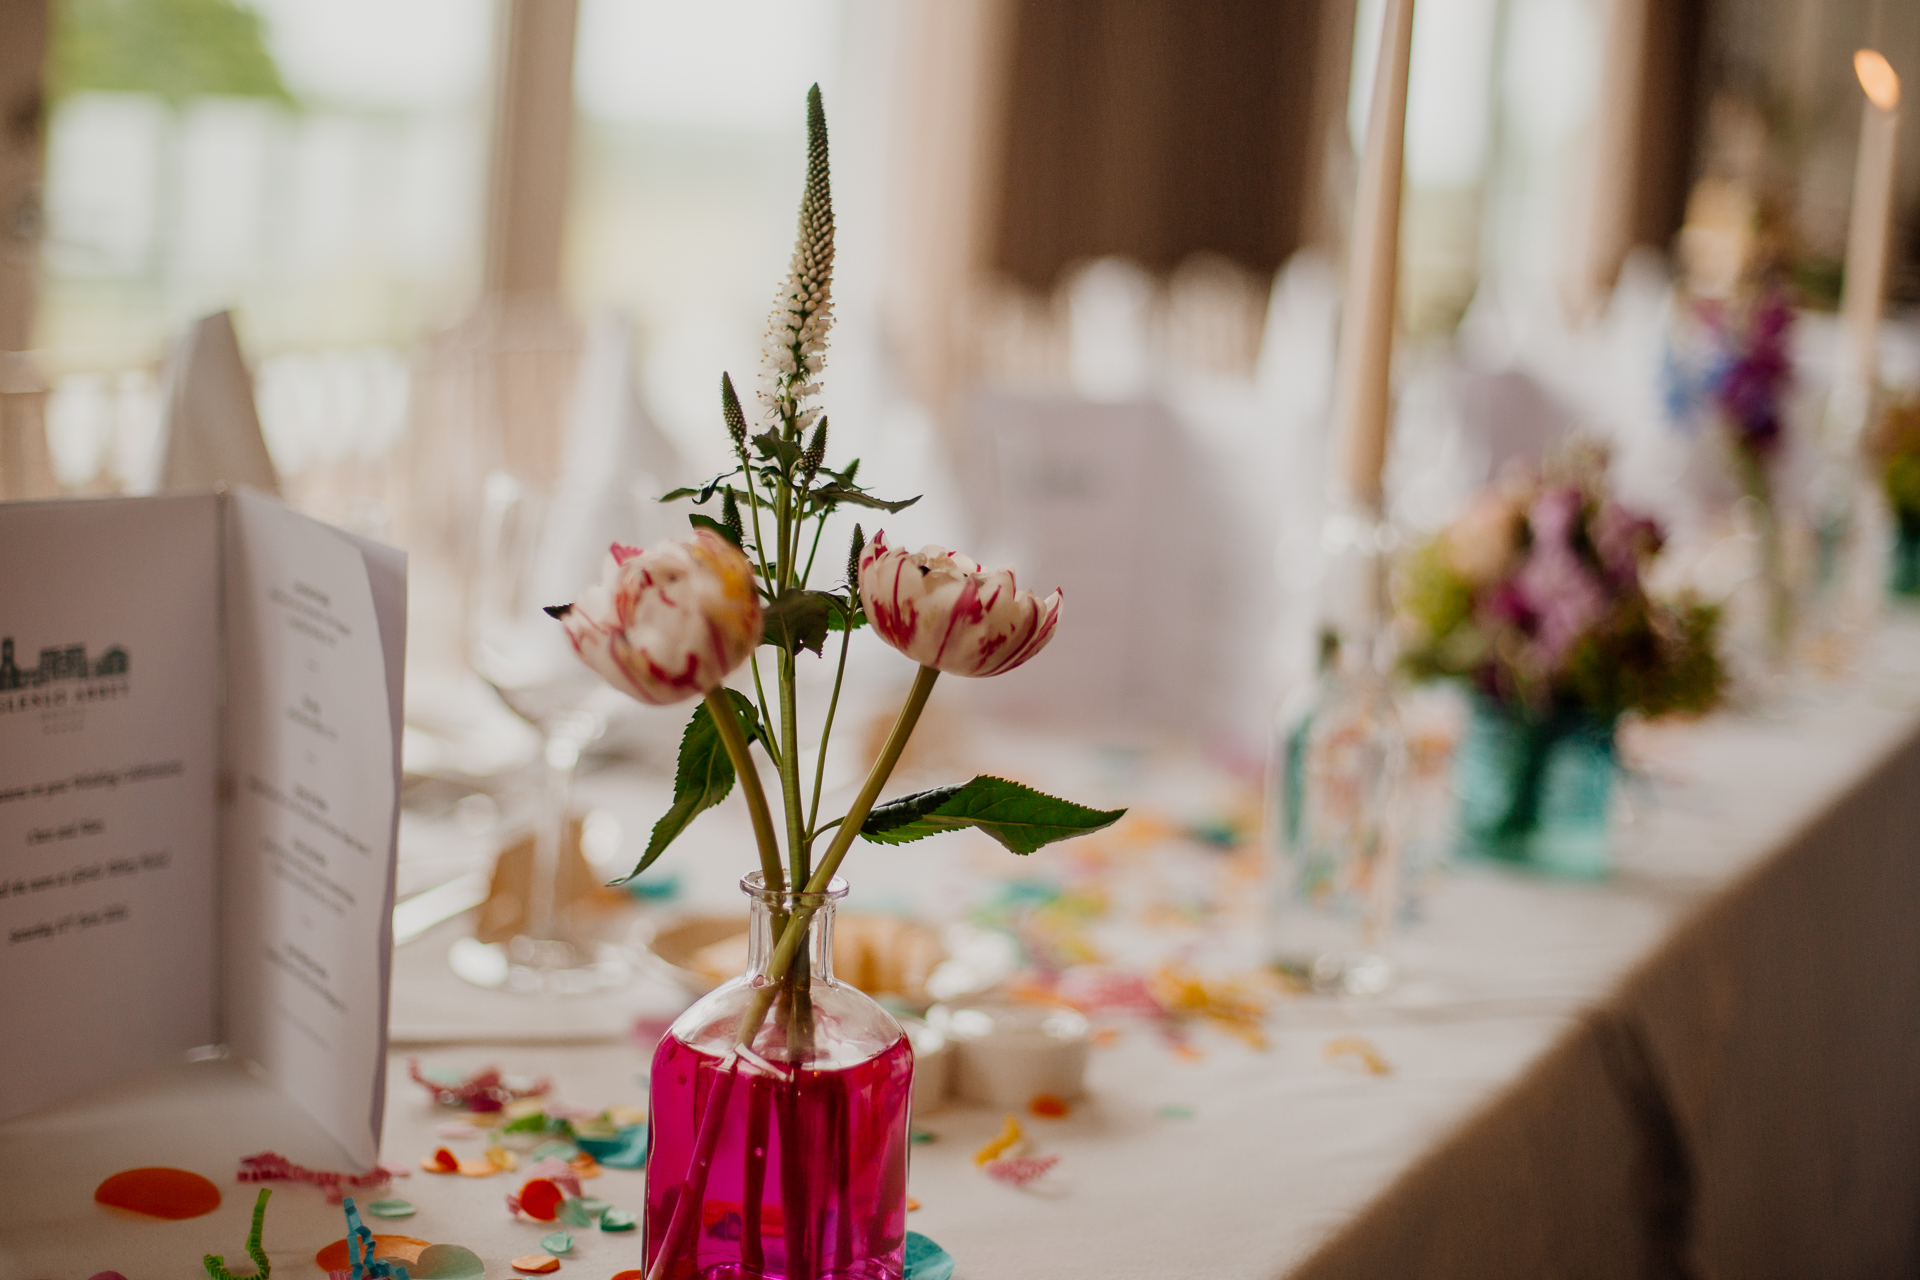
pixel 1557 587
pixel 1623 540
pixel 1754 378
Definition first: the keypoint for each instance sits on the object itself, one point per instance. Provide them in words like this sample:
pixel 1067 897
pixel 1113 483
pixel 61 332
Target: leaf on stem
pixel 834 494
pixel 699 521
pixel 703 777
pixel 1017 816
pixel 772 446
pixel 701 494
pixel 799 620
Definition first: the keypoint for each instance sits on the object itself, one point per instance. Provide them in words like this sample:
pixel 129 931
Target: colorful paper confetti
pixel 925 1260
pixel 618 1220
pixel 1358 1049
pixel 483 1092
pixel 538 1264
pixel 1010 1135
pixel 391 1209
pixel 216 1263
pixel 270 1166
pixel 558 1242
pixel 1020 1170
pixel 159 1192
pixel 1048 1107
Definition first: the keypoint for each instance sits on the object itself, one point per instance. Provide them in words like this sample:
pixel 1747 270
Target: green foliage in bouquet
pixel 1897 447
pixel 1536 597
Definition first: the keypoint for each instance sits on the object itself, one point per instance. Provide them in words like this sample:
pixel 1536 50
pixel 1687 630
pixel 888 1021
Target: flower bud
pixel 943 610
pixel 668 624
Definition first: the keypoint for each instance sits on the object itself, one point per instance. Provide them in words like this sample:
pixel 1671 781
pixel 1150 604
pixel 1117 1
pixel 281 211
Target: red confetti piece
pixel 441 1161
pixel 1047 1106
pixel 483 1092
pixel 1018 1171
pixel 160 1192
pixel 540 1199
pixel 270 1166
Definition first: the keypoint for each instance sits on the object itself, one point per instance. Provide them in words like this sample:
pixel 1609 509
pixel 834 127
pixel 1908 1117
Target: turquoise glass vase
pixel 1534 789
pixel 1903 575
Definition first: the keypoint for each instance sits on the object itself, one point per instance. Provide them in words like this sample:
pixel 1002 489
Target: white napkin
pixel 615 463
pixel 209 429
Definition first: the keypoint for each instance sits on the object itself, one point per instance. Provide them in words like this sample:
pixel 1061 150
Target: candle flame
pixel 1878 79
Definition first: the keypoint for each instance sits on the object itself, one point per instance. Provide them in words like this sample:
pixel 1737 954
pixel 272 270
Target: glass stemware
pixel 519 567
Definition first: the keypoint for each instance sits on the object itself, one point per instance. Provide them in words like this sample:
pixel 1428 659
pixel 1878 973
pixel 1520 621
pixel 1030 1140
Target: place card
pixel 200 715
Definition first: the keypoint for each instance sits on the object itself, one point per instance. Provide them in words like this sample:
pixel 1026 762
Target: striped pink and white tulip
pixel 667 624
pixel 943 610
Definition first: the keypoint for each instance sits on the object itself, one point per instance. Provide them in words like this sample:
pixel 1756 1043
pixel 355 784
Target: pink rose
pixel 668 624
pixel 944 611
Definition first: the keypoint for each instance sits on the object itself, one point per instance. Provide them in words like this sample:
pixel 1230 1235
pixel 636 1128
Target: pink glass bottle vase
pixel 787 1157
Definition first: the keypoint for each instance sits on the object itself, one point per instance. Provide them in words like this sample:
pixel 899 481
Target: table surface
pixel 1218 1160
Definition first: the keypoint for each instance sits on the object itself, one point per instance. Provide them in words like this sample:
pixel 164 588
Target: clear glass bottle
pixel 1338 760
pixel 787 1157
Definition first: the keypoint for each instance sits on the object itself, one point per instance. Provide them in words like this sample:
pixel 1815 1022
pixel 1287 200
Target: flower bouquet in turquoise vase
pixel 1535 600
pixel 779 1102
pixel 1897 448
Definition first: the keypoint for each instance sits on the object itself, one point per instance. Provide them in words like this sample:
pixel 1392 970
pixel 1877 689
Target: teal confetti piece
pixel 1175 1111
pixel 556 1150
pixel 927 1260
pixel 593 1206
pixel 922 1136
pixel 625 1150
pixel 617 1220
pixel 558 1242
pixel 573 1212
pixel 391 1209
pixel 449 1262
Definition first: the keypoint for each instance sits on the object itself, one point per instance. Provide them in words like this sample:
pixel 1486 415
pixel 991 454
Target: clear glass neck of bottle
pixel 769 914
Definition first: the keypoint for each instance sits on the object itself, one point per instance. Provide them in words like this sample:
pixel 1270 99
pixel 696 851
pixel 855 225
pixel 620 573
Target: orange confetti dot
pixel 912 1204
pixel 477 1168
pixel 405 1248
pixel 160 1193
pixel 585 1166
pixel 540 1200
pixel 1048 1106
pixel 539 1264
pixel 629 1275
pixel 1106 1036
pixel 441 1161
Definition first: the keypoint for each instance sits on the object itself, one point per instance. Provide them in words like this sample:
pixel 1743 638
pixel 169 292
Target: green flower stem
pixel 794 936
pixel 826 733
pixel 728 723
pixel 766 718
pixel 790 769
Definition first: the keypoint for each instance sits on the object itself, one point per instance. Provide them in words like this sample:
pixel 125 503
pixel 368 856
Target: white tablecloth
pixel 1708 1066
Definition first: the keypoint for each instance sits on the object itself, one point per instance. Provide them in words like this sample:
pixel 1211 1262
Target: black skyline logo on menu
pixel 60 662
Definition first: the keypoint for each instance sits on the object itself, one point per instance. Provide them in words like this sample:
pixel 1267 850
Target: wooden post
pixel 23 49
pixel 532 146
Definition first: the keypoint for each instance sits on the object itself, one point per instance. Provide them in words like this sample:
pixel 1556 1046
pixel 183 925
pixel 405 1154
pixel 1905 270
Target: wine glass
pixel 523 561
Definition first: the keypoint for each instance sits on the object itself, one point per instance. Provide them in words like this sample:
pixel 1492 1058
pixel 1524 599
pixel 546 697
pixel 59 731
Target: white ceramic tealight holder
pixel 932 1065
pixel 1006 1054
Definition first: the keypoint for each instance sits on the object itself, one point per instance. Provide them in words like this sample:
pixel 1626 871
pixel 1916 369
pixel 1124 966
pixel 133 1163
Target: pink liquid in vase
pixel 805 1175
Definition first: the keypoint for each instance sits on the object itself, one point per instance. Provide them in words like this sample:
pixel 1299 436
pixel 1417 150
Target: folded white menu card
pixel 200 710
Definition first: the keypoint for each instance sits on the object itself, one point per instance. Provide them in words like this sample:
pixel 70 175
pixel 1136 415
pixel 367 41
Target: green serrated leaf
pixel 699 521
pixel 1019 817
pixel 702 778
pixel 799 620
pixel 838 620
pixel 704 492
pixel 835 494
